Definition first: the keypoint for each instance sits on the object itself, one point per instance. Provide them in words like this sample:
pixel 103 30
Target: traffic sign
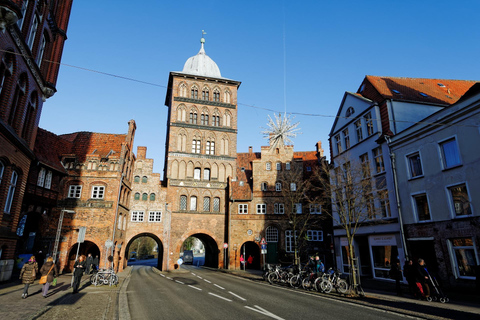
pixel 264 247
pixel 263 241
pixel 264 251
pixel 225 245
pixel 81 234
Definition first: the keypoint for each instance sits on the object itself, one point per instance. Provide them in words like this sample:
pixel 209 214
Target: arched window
pixel 144 179
pixel 6 70
pixel 287 166
pixel 16 106
pixel 204 119
pixel 216 204
pixel 11 192
pixel 206 204
pixel 2 169
pixel 278 186
pixel 193 203
pixel 349 111
pixel 136 179
pixel 136 196
pixel 216 95
pixel 205 94
pixel 196 173
pixel 264 186
pixel 152 196
pixel 120 221
pixel 271 234
pixel 194 92
pixel 28 123
pixel 206 174
pixel 182 90
pixel 181 113
pixel 227 119
pixel 210 148
pixel 183 203
pixel 279 166
pixel 193 117
pixel 144 197
pixel 196 146
pixel 226 97
pixel 216 119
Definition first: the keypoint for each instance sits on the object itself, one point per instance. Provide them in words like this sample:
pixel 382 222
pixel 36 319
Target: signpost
pixel 263 245
pixel 225 252
pixel 80 239
pixel 108 245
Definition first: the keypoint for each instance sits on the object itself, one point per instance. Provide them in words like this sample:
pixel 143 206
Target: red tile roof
pixel 87 143
pixel 49 149
pixel 437 91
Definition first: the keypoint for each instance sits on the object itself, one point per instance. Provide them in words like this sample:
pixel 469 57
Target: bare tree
pixel 348 186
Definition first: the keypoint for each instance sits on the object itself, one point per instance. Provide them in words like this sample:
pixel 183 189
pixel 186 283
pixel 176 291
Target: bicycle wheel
pixel 296 281
pixel 273 278
pixel 342 286
pixel 326 286
pixel 307 284
pixel 316 284
pixel 113 280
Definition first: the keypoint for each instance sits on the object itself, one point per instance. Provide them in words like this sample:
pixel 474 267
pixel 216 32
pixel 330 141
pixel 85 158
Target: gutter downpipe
pixel 397 196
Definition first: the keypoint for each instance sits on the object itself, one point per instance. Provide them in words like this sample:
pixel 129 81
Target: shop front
pixel 383 252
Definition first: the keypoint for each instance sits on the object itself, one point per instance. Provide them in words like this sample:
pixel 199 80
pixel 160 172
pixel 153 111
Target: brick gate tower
pixel 200 155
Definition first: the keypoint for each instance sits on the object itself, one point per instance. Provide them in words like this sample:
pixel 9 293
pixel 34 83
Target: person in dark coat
pixel 409 274
pixel 48 269
pixel 422 277
pixel 396 274
pixel 80 266
pixel 88 263
pixel 319 266
pixel 95 263
pixel 28 274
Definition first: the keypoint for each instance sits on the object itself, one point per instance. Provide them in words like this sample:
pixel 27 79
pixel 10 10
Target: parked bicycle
pixel 104 277
pixel 330 280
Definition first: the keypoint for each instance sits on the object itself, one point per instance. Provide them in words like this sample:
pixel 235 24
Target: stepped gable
pixel 239 191
pixel 88 143
pixel 430 91
pixel 49 149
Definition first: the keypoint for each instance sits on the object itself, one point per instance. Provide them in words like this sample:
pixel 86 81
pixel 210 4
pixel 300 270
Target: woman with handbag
pixel 28 275
pixel 48 273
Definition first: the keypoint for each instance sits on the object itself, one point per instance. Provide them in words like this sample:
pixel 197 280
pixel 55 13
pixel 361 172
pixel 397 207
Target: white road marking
pixel 169 278
pixel 194 287
pixel 179 282
pixel 213 294
pixel 194 274
pixel 162 275
pixel 236 295
pixel 264 312
pixel 199 277
pixel 216 285
pixel 207 281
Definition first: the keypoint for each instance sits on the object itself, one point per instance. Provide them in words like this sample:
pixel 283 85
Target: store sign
pixel 382 240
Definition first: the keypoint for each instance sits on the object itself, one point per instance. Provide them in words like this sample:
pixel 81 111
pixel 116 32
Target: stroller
pixel 435 291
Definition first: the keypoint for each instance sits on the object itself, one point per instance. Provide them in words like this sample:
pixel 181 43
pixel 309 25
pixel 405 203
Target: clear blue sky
pixel 317 50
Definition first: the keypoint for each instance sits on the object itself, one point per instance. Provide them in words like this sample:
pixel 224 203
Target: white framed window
pixel 293 186
pixel 315 208
pixel 369 123
pixel 287 166
pixel 358 130
pixel 421 208
pixel 297 208
pixel 264 186
pixel 216 204
pixel 206 204
pixel 75 191
pixel 33 32
pixel 289 241
pixel 119 222
pixel 196 173
pixel 155 216
pixel 268 166
pixel 98 192
pixel 279 166
pixel 183 202
pixel 206 174
pixel 210 148
pixel 48 180
pixel 243 208
pixel 338 144
pixel 460 200
pixel 11 192
pixel 464 257
pixel 261 208
pixel 449 153
pixel 193 203
pixel 278 208
pixel 41 50
pixel 196 146
pixel 378 156
pixel 365 163
pixel 271 234
pixel 41 177
pixel 346 138
pixel 137 216
pixel 315 235
pixel 384 204
pixel 278 186
pixel 415 165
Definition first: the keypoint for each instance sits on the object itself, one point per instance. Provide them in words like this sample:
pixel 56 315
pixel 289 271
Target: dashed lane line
pixel 216 285
pixel 179 282
pixel 264 312
pixel 216 295
pixel 207 281
pixel 194 287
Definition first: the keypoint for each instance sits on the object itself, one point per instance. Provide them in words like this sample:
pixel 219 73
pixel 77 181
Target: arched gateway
pixel 160 250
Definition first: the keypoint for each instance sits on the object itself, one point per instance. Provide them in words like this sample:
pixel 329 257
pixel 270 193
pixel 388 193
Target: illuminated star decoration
pixel 280 130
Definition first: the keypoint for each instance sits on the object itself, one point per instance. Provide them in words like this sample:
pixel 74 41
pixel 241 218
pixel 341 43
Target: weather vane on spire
pixel 202 40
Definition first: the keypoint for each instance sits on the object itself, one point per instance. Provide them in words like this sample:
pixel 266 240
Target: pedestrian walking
pixel 88 263
pixel 396 274
pixel 79 266
pixel 48 270
pixel 28 274
pixel 422 278
pixel 95 263
pixel 409 274
pixel 250 261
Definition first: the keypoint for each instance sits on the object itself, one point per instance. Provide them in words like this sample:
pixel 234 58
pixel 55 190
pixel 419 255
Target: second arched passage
pixel 211 249
pixel 159 249
pixel 251 254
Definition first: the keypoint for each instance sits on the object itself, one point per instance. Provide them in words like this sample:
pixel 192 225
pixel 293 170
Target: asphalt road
pixel 195 293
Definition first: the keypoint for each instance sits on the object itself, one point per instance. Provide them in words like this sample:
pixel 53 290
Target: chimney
pixel 141 153
pixel 319 148
pixel 250 149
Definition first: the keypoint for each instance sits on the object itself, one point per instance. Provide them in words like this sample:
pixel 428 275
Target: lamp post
pixel 59 232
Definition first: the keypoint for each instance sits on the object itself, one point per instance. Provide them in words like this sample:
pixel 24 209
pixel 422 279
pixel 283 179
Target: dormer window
pixel 349 112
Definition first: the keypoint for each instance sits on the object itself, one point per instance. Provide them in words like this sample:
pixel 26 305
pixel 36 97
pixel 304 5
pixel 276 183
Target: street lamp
pixel 59 232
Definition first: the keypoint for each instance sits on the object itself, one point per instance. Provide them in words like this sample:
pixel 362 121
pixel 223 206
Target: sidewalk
pixel 382 295
pixel 91 302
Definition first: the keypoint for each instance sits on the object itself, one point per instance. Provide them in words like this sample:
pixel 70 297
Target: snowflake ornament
pixel 280 130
